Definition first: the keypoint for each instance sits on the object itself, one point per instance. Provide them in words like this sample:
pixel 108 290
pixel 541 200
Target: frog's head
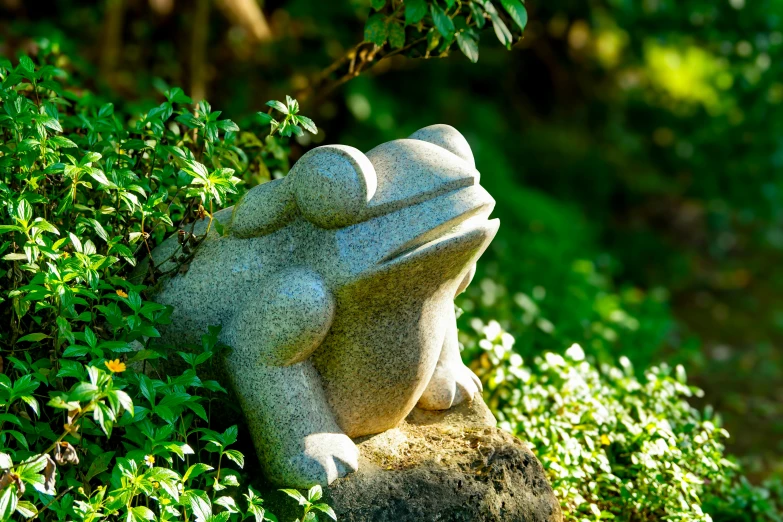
pixel 410 206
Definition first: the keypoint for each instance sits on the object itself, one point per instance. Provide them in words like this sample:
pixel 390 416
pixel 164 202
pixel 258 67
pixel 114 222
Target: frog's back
pixel 206 290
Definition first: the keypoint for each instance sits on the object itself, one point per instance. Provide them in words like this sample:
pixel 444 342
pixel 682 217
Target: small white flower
pixel 575 353
pixel 492 330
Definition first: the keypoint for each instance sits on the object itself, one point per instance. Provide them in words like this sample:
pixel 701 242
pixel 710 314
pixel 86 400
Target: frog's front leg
pixel 452 382
pixel 281 394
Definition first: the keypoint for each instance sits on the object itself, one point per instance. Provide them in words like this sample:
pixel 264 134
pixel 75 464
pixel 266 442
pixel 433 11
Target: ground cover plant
pixel 617 446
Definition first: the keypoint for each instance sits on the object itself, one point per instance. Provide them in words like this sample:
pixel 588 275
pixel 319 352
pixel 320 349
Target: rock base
pixel 452 466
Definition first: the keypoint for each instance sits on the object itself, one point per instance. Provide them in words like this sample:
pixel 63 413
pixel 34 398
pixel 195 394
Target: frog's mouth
pixel 463 227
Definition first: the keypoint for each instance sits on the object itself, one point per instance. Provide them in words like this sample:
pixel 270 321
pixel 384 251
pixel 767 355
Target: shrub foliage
pixel 85 193
pixel 614 445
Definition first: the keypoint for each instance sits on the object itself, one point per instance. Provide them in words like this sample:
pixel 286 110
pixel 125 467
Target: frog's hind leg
pixel 452 382
pixel 294 431
pixel 281 393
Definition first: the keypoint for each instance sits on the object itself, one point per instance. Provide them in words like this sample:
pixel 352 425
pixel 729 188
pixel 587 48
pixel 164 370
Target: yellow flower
pixel 149 460
pixel 115 366
pixel 605 440
pixel 65 255
pixel 121 293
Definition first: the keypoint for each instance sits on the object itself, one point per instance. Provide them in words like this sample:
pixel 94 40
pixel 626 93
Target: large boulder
pixel 450 466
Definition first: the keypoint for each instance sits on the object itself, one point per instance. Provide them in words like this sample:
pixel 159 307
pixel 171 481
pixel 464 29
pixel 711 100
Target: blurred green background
pixel 634 147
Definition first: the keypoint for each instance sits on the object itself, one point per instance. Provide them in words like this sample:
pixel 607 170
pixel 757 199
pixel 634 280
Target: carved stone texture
pixel 451 466
pixel 334 286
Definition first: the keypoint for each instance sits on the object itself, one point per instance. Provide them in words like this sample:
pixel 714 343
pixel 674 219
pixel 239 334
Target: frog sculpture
pixel 335 288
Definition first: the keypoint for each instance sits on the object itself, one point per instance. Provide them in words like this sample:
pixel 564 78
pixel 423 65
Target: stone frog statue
pixel 335 288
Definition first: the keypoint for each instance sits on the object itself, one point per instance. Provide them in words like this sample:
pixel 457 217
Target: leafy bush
pixel 614 445
pixel 423 28
pixel 85 193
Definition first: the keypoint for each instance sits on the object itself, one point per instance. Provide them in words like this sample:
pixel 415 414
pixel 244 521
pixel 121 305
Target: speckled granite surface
pixel 335 288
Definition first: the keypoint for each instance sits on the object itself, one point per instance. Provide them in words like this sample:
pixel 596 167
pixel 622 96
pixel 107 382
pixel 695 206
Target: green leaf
pixel 327 510
pixel 280 106
pixel 296 495
pixel 32 402
pixel 24 211
pixel 202 509
pixel 141 513
pixel 15 257
pixel 264 118
pixel 77 243
pixel 84 391
pixel 180 448
pixel 443 23
pixel 468 45
pixel 501 30
pixel 52 124
pixel 478 15
pixel 517 12
pixel 29 471
pixel 198 409
pixel 415 10
pixel 26 509
pixel 292 104
pixel 10 228
pixel 230 435
pixel 106 110
pixel 228 126
pixel 195 470
pixel 90 338
pixel 7 502
pixel 236 457
pixel 214 386
pixel 90 157
pixel 189 120
pixel 100 177
pixel 229 479
pixel 33 337
pixel 99 465
pixel 44 225
pixel 376 30
pixel 76 350
pixel 20 439
pixel 26 63
pixel 308 124
pixel 176 95
pixel 396 36
pixel 228 503
pixel 13 419
pixel 378 4
pixel 315 493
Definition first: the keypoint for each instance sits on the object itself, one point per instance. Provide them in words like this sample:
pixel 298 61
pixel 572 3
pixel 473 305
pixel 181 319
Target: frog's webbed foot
pixel 323 458
pixel 451 384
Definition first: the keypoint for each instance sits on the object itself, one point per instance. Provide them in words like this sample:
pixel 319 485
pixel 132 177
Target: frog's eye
pixel 332 185
pixel 447 137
